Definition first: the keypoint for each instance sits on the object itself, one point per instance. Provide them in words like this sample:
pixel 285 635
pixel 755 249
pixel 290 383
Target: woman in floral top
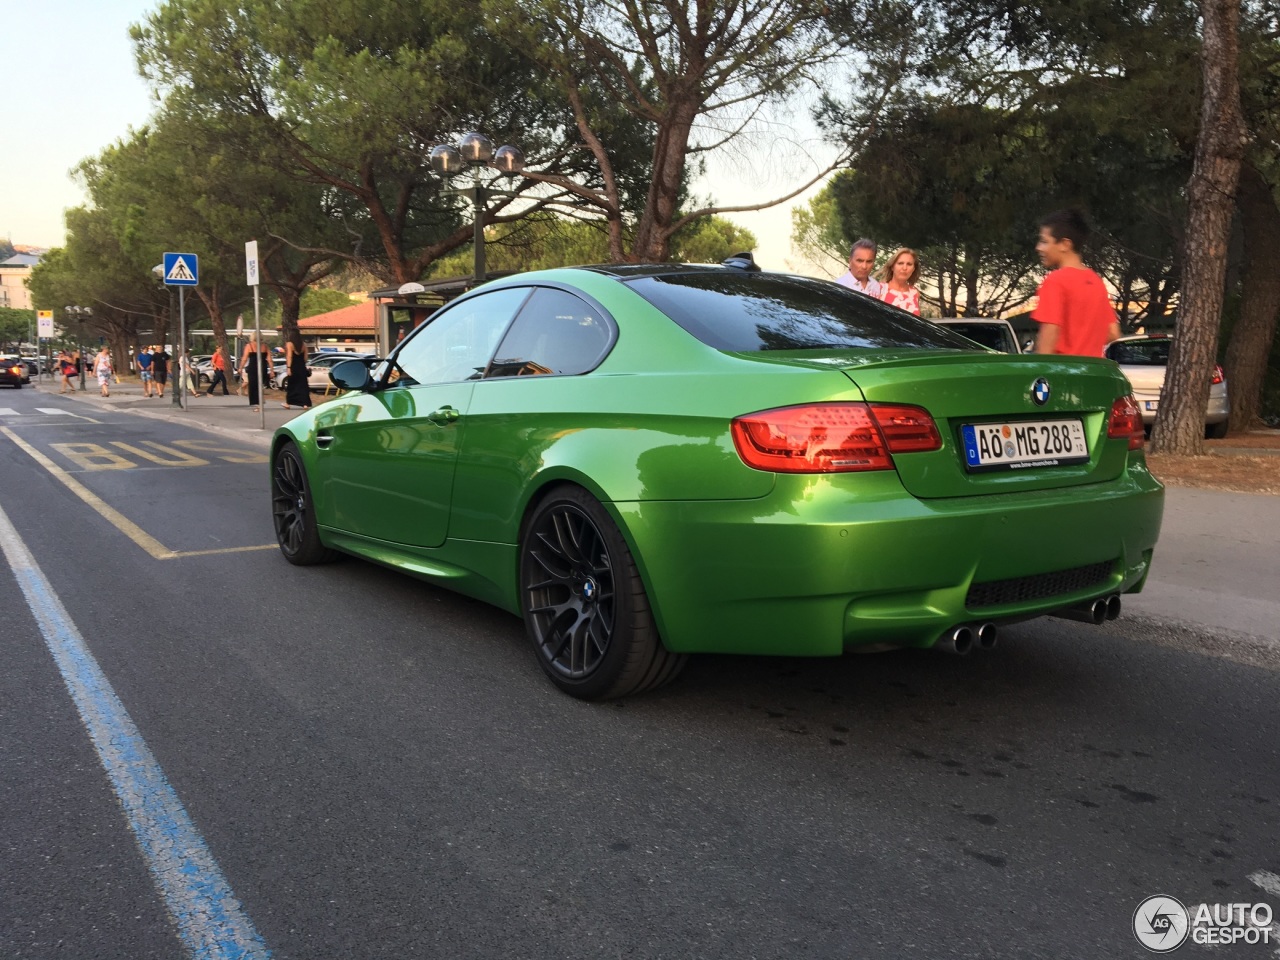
pixel 899 277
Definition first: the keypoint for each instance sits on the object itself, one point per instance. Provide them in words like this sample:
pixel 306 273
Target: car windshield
pixel 748 312
pixel 1140 353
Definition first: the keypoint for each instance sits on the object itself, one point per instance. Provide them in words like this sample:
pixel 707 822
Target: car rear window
pixel 748 312
pixel 1140 353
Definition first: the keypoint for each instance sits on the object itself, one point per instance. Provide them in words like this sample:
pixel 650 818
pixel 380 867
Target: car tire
pixel 293 510
pixel 584 604
pixel 1216 431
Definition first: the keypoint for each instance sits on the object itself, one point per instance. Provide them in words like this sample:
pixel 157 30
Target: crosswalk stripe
pixel 9 412
pixel 54 411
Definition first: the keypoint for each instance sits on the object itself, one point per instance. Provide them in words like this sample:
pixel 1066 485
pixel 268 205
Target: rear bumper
pixel 1217 411
pixel 824 564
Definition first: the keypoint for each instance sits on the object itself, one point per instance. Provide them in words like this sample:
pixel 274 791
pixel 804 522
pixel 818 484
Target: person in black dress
pixel 253 369
pixel 298 389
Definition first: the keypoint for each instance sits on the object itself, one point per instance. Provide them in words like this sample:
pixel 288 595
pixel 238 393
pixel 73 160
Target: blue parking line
pixel 210 920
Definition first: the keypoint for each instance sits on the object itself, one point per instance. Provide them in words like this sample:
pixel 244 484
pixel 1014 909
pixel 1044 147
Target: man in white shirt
pixel 862 260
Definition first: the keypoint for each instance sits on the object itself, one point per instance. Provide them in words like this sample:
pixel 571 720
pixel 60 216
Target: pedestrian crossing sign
pixel 181 269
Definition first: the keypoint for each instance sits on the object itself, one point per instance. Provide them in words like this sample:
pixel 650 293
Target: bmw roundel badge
pixel 1040 392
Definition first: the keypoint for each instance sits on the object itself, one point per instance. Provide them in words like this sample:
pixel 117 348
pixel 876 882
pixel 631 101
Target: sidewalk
pixel 228 416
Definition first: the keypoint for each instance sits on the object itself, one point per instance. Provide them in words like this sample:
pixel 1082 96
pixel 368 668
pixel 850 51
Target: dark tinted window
pixel 1140 353
pixel 731 310
pixel 555 333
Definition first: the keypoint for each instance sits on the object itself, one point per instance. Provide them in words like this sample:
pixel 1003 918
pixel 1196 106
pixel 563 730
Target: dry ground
pixel 1229 465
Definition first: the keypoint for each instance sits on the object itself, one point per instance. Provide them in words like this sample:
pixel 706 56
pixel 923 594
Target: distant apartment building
pixel 13 280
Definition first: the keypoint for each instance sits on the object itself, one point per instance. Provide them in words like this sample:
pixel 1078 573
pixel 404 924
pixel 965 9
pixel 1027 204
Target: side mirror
pixel 351 375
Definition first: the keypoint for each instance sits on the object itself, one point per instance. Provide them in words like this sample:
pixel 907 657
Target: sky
pixel 74 89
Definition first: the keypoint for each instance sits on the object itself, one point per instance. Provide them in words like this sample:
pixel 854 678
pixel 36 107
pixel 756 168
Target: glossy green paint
pixel 735 559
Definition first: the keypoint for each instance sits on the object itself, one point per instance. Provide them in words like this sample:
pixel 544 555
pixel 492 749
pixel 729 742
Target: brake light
pixel 906 429
pixel 1217 374
pixel 832 437
pixel 1126 421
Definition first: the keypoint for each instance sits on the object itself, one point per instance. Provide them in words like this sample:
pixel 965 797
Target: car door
pixel 386 459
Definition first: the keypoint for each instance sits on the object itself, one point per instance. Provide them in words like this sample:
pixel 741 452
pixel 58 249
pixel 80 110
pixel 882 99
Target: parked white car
pixel 1144 359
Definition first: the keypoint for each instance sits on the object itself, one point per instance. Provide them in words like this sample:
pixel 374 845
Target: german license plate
pixel 1023 445
pixel 1152 404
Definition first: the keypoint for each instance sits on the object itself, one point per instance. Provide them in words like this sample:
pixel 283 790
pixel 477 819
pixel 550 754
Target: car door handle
pixel 323 439
pixel 444 416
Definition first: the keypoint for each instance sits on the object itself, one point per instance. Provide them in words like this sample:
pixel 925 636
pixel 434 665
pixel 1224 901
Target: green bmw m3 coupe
pixel 648 461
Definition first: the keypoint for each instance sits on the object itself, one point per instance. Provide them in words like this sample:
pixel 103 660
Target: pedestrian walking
pixel 144 371
pixel 898 277
pixel 1074 310
pixel 103 371
pixel 183 374
pixel 219 364
pixel 862 260
pixel 67 368
pixel 159 368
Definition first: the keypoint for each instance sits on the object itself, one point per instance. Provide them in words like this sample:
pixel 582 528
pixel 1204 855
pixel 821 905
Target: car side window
pixel 555 333
pixel 457 342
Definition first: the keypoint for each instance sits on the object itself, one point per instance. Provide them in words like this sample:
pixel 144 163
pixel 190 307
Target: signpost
pixel 181 270
pixel 251 278
pixel 44 331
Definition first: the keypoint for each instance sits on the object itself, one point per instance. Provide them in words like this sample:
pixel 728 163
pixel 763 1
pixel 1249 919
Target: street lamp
pixel 475 151
pixel 78 315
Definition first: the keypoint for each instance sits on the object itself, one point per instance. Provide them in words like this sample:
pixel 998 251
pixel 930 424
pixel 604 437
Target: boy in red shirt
pixel 1074 312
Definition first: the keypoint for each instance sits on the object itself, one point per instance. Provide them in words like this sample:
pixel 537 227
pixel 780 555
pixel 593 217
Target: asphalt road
pixel 380 770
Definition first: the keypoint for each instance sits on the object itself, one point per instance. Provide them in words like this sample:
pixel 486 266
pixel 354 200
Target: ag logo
pixel 1161 924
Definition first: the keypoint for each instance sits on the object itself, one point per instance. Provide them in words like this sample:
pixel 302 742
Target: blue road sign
pixel 181 269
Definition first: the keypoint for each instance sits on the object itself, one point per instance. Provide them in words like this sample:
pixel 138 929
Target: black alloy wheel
pixel 584 604
pixel 292 510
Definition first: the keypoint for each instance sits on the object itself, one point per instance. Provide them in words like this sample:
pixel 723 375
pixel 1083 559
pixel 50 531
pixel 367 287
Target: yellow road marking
pixel 113 516
pixel 93 456
pixel 176 459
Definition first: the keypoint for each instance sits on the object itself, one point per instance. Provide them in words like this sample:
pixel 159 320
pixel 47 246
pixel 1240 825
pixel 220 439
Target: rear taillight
pixel 906 429
pixel 1126 421
pixel 1217 374
pixel 832 437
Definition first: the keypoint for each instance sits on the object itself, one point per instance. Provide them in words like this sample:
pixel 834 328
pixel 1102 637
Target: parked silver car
pixel 994 334
pixel 1144 359
pixel 320 364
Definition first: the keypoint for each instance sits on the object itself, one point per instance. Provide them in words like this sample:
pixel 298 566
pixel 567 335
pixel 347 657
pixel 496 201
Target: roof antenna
pixel 742 261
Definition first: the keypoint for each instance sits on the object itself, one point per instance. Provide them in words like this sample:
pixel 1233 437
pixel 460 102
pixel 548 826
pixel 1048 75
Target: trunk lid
pixel 965 392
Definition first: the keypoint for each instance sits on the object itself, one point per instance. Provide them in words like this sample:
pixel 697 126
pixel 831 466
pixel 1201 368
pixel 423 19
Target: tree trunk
pixel 1211 193
pixel 1252 336
pixel 653 233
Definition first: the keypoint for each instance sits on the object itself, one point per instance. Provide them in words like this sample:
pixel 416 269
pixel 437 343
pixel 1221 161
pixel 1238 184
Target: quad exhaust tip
pixel 1095 611
pixel 959 640
pixel 987 636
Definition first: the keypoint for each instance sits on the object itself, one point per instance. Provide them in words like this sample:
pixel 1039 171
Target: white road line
pixel 210 920
pixel 55 412
pixel 9 412
pixel 1266 880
